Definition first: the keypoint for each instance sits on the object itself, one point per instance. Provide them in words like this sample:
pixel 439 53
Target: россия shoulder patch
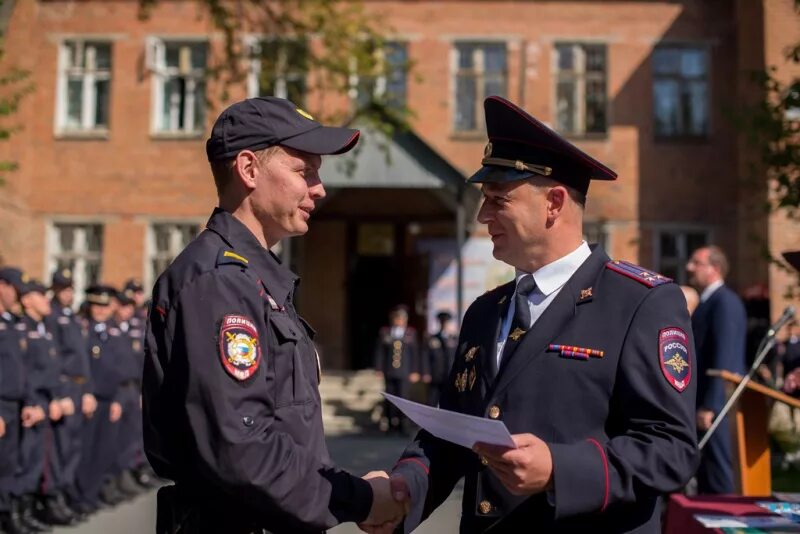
pixel 239 347
pixel 638 273
pixel 673 355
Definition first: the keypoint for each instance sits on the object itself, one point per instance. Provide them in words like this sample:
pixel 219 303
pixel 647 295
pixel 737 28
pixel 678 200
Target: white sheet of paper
pixel 461 429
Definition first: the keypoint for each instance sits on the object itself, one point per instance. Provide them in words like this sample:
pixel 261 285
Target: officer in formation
pixel 59 448
pixel 441 350
pixel 588 362
pixel 397 361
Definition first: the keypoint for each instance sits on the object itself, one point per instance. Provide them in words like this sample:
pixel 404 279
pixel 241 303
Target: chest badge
pixel 470 354
pixel 673 352
pixel 239 348
pixel 516 334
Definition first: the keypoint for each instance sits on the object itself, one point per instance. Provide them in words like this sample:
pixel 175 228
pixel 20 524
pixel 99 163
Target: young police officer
pixel 587 361
pixel 231 405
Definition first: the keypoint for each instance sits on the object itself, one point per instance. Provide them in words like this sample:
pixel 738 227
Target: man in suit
pixel 587 361
pixel 720 328
pixel 397 360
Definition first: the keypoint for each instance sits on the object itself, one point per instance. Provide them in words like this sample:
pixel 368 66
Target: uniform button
pixel 494 411
pixel 485 507
pixel 247 420
pixel 96 351
pixel 484 461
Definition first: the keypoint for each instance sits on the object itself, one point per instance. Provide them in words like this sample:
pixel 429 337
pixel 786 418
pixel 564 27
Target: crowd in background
pixel 70 401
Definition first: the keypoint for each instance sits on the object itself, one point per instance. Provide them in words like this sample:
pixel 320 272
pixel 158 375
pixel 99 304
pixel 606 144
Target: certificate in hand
pixel 461 429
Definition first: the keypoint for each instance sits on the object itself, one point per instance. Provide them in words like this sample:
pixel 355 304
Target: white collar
pixel 555 274
pixel 710 290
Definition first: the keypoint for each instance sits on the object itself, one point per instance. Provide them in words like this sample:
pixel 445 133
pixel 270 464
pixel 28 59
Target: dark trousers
pixel 100 439
pixel 32 457
pixel 130 443
pixel 9 452
pixel 399 388
pixel 68 439
pixel 715 475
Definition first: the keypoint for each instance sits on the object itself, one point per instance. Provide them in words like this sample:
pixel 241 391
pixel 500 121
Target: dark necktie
pixel 522 313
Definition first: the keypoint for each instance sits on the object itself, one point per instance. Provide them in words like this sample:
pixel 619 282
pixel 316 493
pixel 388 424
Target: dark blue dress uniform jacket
pixel 619 432
pixel 245 452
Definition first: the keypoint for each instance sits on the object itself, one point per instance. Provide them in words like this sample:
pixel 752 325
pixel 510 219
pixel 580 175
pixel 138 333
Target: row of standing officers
pixel 70 407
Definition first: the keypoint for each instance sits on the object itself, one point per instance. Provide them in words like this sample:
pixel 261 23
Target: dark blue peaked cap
pixel 521 146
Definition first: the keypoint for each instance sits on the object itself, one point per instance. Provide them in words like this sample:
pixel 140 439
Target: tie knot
pixel 526 285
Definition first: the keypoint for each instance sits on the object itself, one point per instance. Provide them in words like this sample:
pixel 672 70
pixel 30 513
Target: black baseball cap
pixel 62 279
pixel 14 277
pixel 263 122
pixel 521 146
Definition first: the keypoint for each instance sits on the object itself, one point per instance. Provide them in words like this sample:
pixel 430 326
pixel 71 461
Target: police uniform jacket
pixel 107 351
pixel 620 428
pixel 231 402
pixel 720 331
pixel 43 363
pixel 12 364
pixel 134 352
pixel 71 341
pixel 395 357
pixel 440 355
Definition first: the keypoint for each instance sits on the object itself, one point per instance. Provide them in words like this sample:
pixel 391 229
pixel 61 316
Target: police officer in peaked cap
pixel 231 405
pixel 587 361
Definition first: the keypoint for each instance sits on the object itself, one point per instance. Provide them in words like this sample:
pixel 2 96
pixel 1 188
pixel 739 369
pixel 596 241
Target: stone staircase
pixel 351 401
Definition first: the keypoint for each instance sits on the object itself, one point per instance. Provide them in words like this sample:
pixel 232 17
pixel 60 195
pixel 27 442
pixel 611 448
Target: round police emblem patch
pixel 238 346
pixel 673 352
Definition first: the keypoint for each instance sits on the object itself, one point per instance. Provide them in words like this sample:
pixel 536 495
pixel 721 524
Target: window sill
pixel 83 135
pixel 682 139
pixel 176 136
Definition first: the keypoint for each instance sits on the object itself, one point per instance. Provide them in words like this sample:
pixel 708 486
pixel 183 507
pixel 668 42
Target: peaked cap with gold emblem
pixel 521 146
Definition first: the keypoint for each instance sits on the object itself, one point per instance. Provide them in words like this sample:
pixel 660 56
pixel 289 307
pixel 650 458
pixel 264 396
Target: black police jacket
pixel 620 425
pixel 397 358
pixel 440 354
pixel 43 363
pixel 231 404
pixel 12 364
pixel 71 340
pixel 108 350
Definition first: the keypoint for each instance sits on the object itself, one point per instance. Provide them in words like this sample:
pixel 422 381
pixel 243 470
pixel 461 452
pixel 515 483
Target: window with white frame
pixel 84 86
pixel 481 70
pixel 388 87
pixel 167 240
pixel 674 247
pixel 278 67
pixel 79 248
pixel 581 101
pixel 179 90
pixel 680 91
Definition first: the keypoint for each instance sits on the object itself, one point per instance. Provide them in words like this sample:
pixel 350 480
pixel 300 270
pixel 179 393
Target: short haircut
pixel 576 196
pixel 718 259
pixel 224 170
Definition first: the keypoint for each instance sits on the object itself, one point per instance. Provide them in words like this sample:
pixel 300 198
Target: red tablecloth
pixel 682 509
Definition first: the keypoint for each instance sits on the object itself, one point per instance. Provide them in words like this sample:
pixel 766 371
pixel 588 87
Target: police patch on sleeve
pixel 239 347
pixel 673 352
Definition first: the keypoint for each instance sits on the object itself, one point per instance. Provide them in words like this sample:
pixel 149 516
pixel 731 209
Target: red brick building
pixel 113 180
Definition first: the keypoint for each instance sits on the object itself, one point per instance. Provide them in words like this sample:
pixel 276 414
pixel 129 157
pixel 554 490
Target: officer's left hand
pixel 54 410
pixel 115 412
pixel 413 378
pixel 67 406
pixel 526 470
pixel 2 427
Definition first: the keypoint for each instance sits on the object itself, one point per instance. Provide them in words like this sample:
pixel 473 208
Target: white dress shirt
pixel 549 281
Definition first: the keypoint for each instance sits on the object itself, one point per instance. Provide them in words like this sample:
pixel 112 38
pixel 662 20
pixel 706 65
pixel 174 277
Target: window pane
pixel 595 106
pixel 695 240
pixel 396 66
pixel 669 246
pixel 199 105
pixel 92 272
pixel 565 57
pixel 666 61
pixel 102 59
pixel 161 233
pixel 171 102
pixel 665 100
pixel 695 108
pixel 101 103
pixel 74 102
pixel 565 106
pixel 199 56
pixel 495 85
pixel 173 52
pixel 466 95
pixel 66 238
pixel 494 57
pixel 693 63
pixel 72 58
pixel 465 55
pixel 595 59
pixel 94 238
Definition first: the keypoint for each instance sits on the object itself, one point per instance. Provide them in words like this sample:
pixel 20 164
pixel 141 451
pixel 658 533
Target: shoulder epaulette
pixel 638 273
pixel 229 257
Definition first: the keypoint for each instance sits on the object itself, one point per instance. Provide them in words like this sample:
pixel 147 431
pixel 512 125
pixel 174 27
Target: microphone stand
pixel 766 345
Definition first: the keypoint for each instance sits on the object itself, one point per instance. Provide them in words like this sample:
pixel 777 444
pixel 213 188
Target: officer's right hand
pixel 88 404
pixel 31 416
pixel 2 427
pixel 115 413
pixel 67 406
pixel 390 503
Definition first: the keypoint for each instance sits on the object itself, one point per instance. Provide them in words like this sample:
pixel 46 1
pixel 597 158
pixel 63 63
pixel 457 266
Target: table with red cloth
pixel 682 509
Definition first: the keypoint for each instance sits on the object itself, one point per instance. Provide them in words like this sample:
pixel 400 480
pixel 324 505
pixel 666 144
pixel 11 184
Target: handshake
pixel 391 501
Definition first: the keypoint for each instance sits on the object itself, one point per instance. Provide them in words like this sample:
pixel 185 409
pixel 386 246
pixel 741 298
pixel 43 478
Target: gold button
pixel 397 344
pixel 484 461
pixel 485 507
pixel 96 351
pixel 494 412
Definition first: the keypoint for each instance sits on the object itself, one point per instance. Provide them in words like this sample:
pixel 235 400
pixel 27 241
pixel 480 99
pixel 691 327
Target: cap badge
pixel 305 114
